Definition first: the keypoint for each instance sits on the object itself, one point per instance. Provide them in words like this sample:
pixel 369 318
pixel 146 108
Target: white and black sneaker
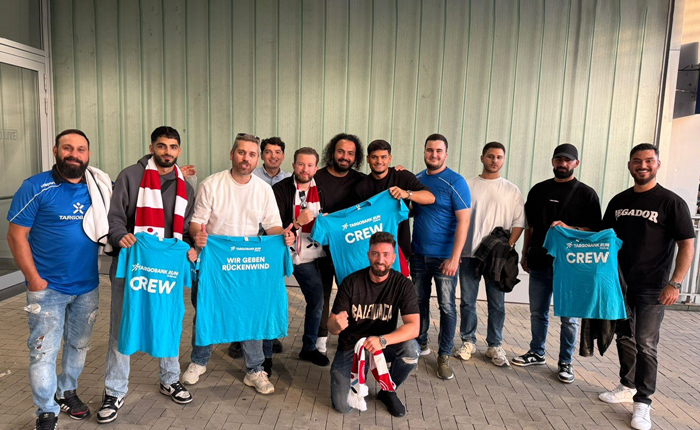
pixel 177 392
pixel 566 373
pixel 529 359
pixel 109 409
pixel 47 421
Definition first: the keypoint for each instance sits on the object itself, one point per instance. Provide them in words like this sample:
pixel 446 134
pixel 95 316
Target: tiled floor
pixel 480 396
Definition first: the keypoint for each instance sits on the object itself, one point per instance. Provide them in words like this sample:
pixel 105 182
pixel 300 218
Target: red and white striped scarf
pixel 305 249
pixel 150 217
pixel 358 383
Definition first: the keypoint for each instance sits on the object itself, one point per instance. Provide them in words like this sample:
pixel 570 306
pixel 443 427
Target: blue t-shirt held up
pixel 155 272
pixel 241 293
pixel 53 209
pixel 348 231
pixel 434 225
pixel 586 280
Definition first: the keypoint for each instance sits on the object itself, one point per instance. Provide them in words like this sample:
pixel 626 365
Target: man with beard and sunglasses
pixel 59 261
pixel 343 157
pixel 367 306
pixel 234 202
pixel 652 222
pixel 300 200
pixel 164 150
pixel 565 201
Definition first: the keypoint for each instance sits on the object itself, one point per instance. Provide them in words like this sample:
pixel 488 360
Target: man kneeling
pixel 367 307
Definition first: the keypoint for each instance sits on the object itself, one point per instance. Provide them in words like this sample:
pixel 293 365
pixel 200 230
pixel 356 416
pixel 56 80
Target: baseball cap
pixel 566 150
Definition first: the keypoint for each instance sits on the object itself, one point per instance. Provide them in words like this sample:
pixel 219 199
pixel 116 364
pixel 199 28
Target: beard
pixel 243 168
pixel 377 270
pixel 643 181
pixel 70 171
pixel 160 162
pixel 562 173
pixel 338 168
pixel 301 180
pixel 434 166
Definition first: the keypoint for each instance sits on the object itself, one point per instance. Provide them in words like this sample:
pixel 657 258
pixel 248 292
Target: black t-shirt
pixel 545 200
pixel 339 191
pixel 405 180
pixel 649 224
pixel 373 309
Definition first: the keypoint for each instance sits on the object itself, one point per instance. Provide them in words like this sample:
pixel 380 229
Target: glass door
pixel 23 107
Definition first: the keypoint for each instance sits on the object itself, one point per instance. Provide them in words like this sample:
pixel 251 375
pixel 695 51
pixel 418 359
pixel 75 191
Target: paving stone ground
pixel 481 396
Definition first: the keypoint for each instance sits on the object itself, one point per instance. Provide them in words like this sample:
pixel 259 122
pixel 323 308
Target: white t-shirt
pixel 232 209
pixel 495 203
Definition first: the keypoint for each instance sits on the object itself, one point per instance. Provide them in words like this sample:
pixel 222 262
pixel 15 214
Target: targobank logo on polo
pixel 77 212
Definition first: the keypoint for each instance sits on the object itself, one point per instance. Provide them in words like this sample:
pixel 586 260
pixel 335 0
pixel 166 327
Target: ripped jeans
pixel 53 315
pixel 402 356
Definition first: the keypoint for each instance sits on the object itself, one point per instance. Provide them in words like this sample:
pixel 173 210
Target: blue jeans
pixel 402 356
pixel 540 298
pixel 423 271
pixel 638 360
pixel 309 279
pixel 118 365
pixel 252 349
pixel 53 315
pixel 469 289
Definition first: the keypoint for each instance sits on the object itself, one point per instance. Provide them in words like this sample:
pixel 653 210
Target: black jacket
pixel 498 260
pixel 601 332
pixel 284 194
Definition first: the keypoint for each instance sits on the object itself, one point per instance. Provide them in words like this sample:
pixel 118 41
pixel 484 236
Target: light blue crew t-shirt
pixel 241 293
pixel 586 280
pixel 434 225
pixel 155 272
pixel 348 231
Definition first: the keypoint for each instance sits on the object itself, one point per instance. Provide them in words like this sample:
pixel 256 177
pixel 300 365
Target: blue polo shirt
pixel 53 209
pixel 434 225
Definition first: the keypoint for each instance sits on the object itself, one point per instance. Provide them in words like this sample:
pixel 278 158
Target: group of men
pixel 452 217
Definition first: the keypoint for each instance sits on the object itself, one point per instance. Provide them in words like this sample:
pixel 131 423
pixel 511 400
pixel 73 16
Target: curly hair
pixel 329 150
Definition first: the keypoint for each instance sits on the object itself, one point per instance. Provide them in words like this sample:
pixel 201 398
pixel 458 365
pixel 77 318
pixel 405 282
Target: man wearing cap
pixel 562 200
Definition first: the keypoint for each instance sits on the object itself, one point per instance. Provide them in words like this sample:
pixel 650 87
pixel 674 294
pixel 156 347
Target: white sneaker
pixel 640 417
pixel 260 382
pixel 621 394
pixel 321 344
pixel 466 351
pixel 191 375
pixel 497 356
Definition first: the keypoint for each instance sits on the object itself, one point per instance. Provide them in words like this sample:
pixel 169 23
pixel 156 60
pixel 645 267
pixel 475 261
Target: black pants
pixel 637 353
pixel 327 270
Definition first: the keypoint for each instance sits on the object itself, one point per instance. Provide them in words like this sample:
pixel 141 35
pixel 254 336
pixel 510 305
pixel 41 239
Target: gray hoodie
pixel 122 211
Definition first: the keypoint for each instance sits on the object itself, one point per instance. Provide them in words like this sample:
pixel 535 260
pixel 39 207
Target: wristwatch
pixel 383 342
pixel 675 284
pixel 410 194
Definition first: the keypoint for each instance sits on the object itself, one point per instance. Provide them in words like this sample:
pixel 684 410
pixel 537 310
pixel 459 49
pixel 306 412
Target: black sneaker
pixel 315 357
pixel 177 392
pixel 529 359
pixel 392 402
pixel 566 373
pixel 47 421
pixel 72 404
pixel 109 409
pixel 277 346
pixel 235 350
pixel 267 366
